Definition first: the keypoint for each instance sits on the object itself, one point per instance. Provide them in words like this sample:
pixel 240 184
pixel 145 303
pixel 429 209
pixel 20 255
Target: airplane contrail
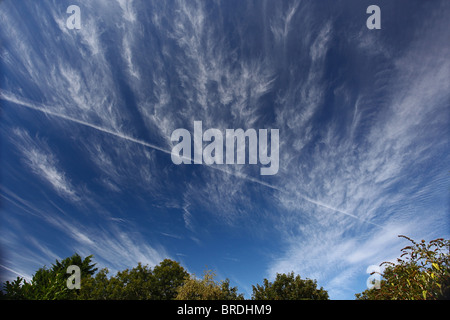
pixel 7 96
pixel 13 99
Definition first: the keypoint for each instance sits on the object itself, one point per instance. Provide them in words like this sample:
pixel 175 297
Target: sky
pixel 87 116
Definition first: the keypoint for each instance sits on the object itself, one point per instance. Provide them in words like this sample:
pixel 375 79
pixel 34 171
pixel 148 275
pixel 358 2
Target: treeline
pixel 166 281
pixel 421 273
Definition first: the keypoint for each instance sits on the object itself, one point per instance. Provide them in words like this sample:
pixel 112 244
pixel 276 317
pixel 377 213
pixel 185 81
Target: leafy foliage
pixel 207 289
pixel 421 273
pixel 49 284
pixel 168 277
pixel 139 283
pixel 134 284
pixel 289 287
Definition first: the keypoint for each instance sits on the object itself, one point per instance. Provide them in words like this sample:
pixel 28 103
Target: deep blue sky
pixel 87 116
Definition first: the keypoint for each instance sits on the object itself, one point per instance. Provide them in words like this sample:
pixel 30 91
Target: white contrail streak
pixel 7 96
pixel 13 99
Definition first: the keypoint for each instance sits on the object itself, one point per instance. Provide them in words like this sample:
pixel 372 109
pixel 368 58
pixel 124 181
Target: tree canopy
pixel 138 283
pixel 166 281
pixel 50 284
pixel 289 287
pixel 208 288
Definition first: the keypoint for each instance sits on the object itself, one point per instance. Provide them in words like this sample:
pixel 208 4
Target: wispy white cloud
pixel 281 23
pixel 43 162
pixel 129 13
pixel 373 175
pixel 114 244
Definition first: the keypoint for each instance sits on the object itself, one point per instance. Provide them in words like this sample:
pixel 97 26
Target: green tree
pixel 138 283
pixel 98 287
pixel 50 284
pixel 17 289
pixel 168 276
pixel 421 273
pixel 128 284
pixel 289 287
pixel 207 288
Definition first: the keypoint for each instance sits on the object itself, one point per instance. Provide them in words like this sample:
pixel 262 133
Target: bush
pixel 421 273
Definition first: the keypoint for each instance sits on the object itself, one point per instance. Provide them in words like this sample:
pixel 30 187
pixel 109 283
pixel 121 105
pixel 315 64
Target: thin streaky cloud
pixel 15 272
